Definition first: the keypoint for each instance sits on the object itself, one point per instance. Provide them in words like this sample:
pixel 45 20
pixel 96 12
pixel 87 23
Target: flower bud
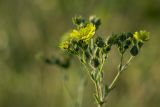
pixel 95 20
pixel 122 37
pixel 134 50
pixel 129 35
pixel 78 20
pixel 128 42
pixel 126 47
pixel 95 62
pixel 99 42
pixel 112 39
pixel 119 43
pixel 106 49
pixel 140 44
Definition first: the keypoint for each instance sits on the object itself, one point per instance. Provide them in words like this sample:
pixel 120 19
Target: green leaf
pixel 106 90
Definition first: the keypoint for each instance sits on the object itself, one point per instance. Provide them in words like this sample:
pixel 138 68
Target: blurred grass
pixel 28 27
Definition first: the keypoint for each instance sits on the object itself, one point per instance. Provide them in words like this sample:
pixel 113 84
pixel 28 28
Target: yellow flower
pixel 141 35
pixel 64 45
pixel 85 33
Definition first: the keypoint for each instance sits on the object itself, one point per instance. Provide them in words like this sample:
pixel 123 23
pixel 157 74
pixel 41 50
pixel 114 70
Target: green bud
pixel 119 43
pixel 95 62
pixel 99 42
pixel 95 20
pixel 134 50
pixel 122 37
pixel 126 47
pixel 140 44
pixel 112 39
pixel 106 49
pixel 78 20
pixel 129 35
pixel 128 42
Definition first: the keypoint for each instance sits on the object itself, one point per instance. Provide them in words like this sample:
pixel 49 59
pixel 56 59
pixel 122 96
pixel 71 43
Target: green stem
pixel 112 85
pixel 122 68
pixel 121 63
pixel 99 105
pixel 125 66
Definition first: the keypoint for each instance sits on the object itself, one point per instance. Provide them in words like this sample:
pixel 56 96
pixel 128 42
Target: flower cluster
pixel 125 41
pixel 93 50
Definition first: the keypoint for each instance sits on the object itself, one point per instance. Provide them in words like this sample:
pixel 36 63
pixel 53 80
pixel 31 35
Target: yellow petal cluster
pixel 141 35
pixel 85 33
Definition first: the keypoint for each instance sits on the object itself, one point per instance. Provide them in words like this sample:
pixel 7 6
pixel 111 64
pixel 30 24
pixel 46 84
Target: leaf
pixel 106 90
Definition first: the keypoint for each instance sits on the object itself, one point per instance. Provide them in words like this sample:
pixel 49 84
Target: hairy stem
pixel 112 85
pixel 121 68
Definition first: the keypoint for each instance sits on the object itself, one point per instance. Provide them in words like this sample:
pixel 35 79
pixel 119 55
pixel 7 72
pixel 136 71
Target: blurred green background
pixel 32 27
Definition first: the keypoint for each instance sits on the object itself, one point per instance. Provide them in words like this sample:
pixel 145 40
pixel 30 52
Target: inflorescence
pixel 93 51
